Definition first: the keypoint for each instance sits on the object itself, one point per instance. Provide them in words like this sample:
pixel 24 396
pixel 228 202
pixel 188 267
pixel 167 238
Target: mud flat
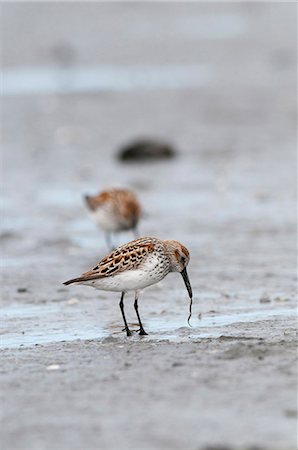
pixel 110 393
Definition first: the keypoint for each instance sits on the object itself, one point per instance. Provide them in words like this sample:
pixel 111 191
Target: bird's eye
pixel 183 259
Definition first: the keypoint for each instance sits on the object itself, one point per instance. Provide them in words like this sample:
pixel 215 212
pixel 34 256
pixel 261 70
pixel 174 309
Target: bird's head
pixel 179 259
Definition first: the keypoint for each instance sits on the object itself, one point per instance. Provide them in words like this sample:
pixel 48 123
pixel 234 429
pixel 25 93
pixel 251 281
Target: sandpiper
pixel 135 266
pixel 114 210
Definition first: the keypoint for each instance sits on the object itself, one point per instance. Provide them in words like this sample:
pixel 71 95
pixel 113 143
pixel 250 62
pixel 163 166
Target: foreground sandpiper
pixel 114 210
pixel 135 266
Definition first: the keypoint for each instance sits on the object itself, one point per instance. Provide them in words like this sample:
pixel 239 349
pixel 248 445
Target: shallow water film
pixel 217 83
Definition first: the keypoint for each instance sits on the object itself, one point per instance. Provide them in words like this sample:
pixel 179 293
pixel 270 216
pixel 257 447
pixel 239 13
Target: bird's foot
pixel 128 332
pixel 142 332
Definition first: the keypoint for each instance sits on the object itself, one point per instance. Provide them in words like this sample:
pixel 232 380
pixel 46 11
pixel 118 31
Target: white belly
pixel 105 219
pixel 131 280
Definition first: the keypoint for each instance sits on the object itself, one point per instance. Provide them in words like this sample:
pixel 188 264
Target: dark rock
pixel 21 290
pixel 146 150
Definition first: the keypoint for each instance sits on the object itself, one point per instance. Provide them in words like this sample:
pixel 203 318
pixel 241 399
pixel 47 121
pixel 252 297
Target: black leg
pixel 142 331
pixel 121 304
pixel 109 241
pixel 136 233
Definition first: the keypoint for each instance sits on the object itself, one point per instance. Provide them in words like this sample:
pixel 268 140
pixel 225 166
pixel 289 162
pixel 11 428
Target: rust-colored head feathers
pixel 179 259
pixel 178 254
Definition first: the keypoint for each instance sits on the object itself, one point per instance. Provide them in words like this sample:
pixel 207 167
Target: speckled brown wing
pixel 127 257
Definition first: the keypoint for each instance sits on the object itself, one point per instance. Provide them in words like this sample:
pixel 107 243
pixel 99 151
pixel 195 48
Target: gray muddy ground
pixel 221 88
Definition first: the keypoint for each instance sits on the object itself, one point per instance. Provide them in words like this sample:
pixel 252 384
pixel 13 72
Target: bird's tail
pixel 74 280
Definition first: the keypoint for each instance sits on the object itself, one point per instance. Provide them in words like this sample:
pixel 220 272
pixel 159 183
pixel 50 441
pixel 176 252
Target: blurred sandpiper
pixel 114 210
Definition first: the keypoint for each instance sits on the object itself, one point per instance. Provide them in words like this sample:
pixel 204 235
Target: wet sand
pixel 70 379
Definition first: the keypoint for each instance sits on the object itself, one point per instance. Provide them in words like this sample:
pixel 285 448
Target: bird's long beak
pixel 186 281
pixel 189 290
